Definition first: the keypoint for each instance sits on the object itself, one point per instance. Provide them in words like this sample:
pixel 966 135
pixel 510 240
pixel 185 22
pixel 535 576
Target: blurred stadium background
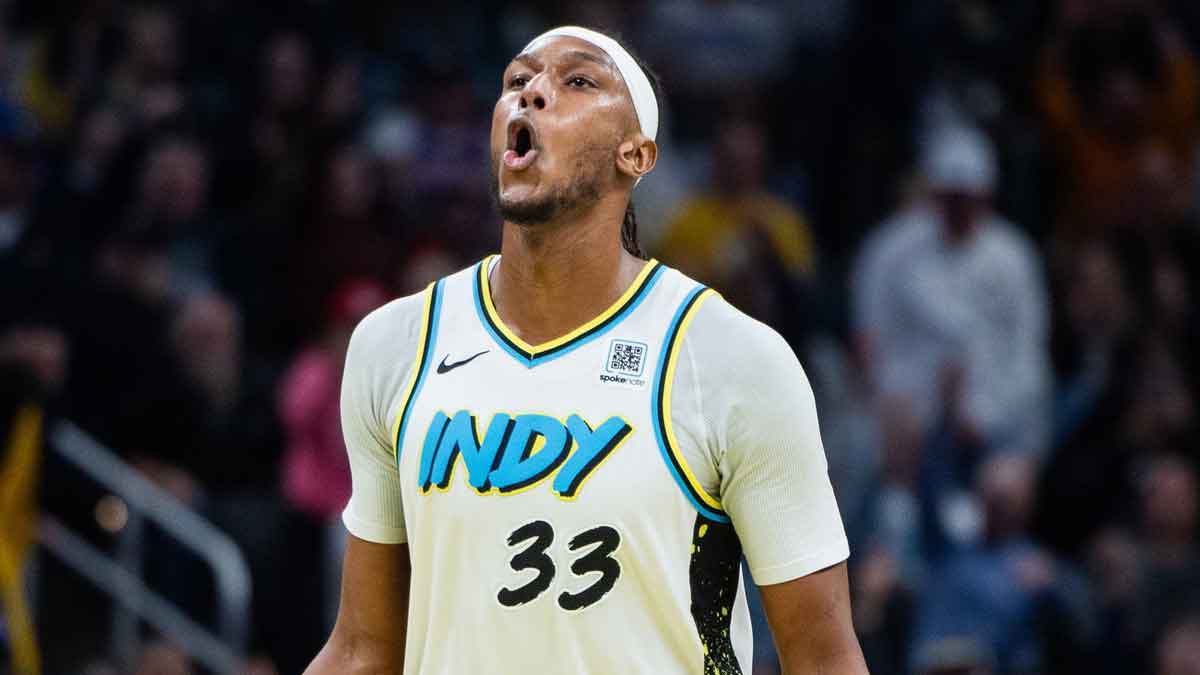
pixel 974 220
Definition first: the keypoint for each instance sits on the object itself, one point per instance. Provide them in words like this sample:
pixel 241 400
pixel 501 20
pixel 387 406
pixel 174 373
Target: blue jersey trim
pixel 532 359
pixel 426 356
pixel 671 341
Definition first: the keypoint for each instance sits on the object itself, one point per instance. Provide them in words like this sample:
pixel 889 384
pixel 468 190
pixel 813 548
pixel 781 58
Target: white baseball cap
pixel 960 159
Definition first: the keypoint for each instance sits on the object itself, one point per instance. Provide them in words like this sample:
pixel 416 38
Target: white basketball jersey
pixel 553 524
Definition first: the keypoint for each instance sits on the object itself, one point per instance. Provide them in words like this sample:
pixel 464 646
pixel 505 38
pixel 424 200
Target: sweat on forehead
pixel 645 105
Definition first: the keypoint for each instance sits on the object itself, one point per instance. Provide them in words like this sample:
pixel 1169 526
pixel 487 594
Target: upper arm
pixel 372 619
pixel 378 361
pixel 811 623
pixel 873 286
pixel 1033 306
pixel 764 448
pixel 763 445
pixel 369 634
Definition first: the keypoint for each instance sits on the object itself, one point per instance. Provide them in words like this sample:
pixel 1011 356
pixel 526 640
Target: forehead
pixel 559 48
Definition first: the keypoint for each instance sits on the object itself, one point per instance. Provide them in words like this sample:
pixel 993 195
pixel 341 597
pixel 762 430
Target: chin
pixel 516 194
pixel 526 208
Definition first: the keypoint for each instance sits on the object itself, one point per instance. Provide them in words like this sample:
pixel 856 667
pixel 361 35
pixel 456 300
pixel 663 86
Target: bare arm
pixel 810 620
pixel 368 638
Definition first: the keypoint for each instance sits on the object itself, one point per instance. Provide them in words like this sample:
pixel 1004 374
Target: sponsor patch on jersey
pixel 625 364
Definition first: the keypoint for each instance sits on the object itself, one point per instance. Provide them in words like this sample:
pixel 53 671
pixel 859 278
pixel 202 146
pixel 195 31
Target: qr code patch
pixel 626 357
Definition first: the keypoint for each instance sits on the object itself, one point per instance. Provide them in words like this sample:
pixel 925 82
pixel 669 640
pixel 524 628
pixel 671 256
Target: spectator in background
pixel 1118 580
pixel 76 205
pixel 951 312
pixel 16 179
pixel 883 610
pixel 1097 318
pixel 119 317
pixel 735 48
pixel 339 103
pixel 63 63
pixel 171 208
pixel 1161 414
pixel 454 209
pixel 1170 506
pixel 345 237
pixel 266 178
pixel 423 266
pixel 1143 405
pixel 1179 649
pixel 1117 80
pixel 738 237
pixel 454 151
pixel 393 139
pixel 1095 343
pixel 211 401
pixel 316 473
pixel 33 365
pixel 146 77
pixel 267 162
pixel 202 426
pixel 1005 594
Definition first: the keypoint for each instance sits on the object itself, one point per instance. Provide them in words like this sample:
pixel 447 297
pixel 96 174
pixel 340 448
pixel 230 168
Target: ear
pixel 636 156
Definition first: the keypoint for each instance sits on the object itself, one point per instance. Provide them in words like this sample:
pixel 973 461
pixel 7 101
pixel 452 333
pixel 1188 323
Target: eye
pixel 517 81
pixel 579 81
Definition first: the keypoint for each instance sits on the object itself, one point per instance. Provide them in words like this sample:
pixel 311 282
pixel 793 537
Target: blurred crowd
pixel 976 222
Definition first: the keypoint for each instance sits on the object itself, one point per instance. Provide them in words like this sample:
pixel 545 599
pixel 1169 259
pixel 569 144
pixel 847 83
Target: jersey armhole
pixel 664 431
pixel 425 346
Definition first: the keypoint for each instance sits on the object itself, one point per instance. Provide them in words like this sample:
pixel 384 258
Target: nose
pixel 535 93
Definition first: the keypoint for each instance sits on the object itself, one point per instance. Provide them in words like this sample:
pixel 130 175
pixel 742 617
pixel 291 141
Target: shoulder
pixel 1007 242
pixel 712 323
pixel 382 351
pixel 733 351
pixel 397 327
pixel 897 235
pixel 393 327
pixel 1003 232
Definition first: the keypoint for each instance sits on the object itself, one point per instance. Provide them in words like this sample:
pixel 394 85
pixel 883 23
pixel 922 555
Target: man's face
pixel 556 128
pixel 960 211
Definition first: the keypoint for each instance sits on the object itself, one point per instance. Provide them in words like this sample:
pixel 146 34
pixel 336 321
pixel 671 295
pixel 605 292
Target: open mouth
pixel 522 145
pixel 520 137
pixel 524 142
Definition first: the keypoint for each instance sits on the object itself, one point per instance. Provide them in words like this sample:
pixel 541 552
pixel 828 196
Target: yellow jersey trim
pixel 668 384
pixel 604 316
pixel 420 364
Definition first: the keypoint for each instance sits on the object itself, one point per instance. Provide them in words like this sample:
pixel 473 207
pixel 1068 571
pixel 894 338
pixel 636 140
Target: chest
pixel 967 286
pixel 491 440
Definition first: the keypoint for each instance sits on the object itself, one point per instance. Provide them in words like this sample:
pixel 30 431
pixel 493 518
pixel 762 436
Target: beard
pixel 585 185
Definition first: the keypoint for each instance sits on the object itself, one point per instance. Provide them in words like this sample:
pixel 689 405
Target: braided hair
pixel 629 235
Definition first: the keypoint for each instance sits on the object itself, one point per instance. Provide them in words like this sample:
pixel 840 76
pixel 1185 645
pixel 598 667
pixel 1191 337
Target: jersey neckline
pixel 532 355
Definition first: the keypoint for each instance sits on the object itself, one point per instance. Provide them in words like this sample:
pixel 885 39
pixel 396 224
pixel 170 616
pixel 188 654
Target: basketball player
pixel 561 453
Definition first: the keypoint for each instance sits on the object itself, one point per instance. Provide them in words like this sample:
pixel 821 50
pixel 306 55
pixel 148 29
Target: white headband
pixel 645 105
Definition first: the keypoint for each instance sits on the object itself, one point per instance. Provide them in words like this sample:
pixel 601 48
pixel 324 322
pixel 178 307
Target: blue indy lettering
pixel 516 452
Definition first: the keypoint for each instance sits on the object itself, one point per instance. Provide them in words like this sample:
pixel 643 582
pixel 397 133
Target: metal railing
pixel 120 577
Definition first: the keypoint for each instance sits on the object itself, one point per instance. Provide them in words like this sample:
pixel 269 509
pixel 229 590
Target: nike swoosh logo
pixel 444 367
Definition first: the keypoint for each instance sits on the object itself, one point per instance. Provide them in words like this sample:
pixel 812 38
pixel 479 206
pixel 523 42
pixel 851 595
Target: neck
pixel 555 277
